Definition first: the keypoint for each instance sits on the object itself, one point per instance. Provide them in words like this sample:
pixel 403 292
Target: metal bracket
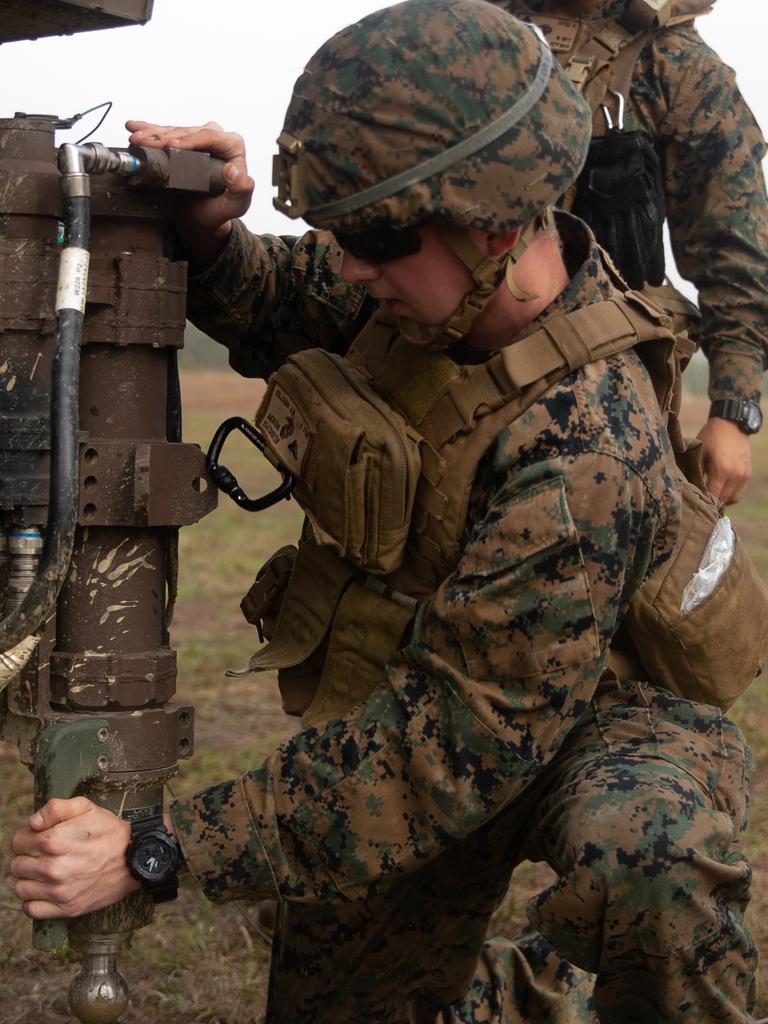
pixel 134 483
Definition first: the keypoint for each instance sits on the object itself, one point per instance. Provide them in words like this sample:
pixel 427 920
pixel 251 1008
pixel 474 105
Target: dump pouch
pixel 714 652
pixel 357 651
pixel 356 459
pixel 307 602
pixel 620 195
pixel 336 629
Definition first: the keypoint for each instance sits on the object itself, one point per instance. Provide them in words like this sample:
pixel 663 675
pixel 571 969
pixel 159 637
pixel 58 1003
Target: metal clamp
pixel 226 480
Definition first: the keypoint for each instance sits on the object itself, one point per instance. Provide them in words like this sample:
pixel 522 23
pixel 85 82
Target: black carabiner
pixel 226 480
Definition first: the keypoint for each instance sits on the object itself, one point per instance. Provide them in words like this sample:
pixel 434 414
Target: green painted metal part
pixel 67 755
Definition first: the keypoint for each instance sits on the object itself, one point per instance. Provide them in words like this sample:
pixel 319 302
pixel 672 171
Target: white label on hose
pixel 73 279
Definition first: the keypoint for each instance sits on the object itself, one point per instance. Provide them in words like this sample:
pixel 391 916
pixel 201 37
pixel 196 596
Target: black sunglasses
pixel 380 244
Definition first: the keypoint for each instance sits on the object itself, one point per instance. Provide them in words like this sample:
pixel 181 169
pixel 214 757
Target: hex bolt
pixel 102 763
pixel 102 735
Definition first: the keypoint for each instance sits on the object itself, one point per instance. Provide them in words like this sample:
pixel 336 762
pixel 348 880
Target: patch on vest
pixel 560 33
pixel 286 429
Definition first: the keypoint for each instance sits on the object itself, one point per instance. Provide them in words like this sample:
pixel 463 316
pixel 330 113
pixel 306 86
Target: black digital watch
pixel 154 857
pixel 743 412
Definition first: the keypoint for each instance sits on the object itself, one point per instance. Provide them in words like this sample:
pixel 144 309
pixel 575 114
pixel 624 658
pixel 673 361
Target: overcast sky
pixel 235 61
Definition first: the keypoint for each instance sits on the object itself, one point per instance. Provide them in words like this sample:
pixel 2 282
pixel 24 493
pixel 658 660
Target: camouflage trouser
pixel 640 816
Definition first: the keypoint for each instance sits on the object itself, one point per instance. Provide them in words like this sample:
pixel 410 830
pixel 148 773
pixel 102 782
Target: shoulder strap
pixel 523 370
pixel 656 14
pixel 371 345
pixel 642 15
pixel 598 56
pixel 467 417
pixel 410 377
pixel 606 58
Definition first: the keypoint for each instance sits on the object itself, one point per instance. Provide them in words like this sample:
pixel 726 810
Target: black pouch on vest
pixel 620 195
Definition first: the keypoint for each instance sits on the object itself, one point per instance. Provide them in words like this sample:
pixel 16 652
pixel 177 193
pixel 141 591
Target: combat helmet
pixel 447 111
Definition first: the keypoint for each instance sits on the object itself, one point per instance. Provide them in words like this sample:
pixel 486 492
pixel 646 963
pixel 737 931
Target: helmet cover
pixel 445 110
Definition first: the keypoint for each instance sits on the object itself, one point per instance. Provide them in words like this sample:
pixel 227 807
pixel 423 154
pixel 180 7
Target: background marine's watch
pixel 154 858
pixel 744 413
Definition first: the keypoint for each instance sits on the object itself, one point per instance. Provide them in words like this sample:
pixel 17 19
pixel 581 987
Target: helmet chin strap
pixel 487 273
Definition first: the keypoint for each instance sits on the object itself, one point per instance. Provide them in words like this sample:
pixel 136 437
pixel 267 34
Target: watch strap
pixel 743 412
pixel 165 894
pixel 141 826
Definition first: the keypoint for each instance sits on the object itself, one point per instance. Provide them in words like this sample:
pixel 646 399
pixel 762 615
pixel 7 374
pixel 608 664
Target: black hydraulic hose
pixel 64 490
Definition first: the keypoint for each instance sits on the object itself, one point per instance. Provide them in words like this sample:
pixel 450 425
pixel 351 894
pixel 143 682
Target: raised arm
pixel 204 225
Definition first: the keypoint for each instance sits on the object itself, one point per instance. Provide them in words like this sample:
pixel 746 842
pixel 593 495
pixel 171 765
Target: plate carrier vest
pixel 336 609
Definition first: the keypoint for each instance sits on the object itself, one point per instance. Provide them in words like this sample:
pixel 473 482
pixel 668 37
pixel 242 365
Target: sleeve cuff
pixel 231 256
pixel 221 844
pixel 733 375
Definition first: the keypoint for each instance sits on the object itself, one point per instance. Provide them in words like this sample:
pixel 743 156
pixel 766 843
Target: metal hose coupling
pixel 183 170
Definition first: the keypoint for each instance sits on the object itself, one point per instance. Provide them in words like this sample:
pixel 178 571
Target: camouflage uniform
pixel 390 831
pixel 687 100
pixel 636 798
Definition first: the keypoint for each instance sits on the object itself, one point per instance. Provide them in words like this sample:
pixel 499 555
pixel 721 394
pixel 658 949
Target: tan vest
pixel 338 623
pixel 599 54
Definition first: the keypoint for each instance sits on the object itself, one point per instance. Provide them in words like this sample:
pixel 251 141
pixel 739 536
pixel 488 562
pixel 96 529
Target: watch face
pixel 154 858
pixel 754 417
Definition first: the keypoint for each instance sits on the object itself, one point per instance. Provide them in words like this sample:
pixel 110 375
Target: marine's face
pixel 426 286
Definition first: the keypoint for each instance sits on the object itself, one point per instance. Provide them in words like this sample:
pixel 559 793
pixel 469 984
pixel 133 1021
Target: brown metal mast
pixel 88 674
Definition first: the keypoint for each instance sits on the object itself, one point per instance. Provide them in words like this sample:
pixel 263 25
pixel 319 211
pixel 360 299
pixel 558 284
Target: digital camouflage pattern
pixel 687 100
pixel 405 85
pixel 628 788
pixel 490 740
pixel 267 297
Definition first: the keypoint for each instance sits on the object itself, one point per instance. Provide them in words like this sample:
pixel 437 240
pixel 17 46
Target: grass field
pixel 199 964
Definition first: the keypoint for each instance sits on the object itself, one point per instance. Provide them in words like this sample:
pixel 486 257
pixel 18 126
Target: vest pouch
pixel 297 649
pixel 356 460
pixel 299 683
pixel 714 652
pixel 368 630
